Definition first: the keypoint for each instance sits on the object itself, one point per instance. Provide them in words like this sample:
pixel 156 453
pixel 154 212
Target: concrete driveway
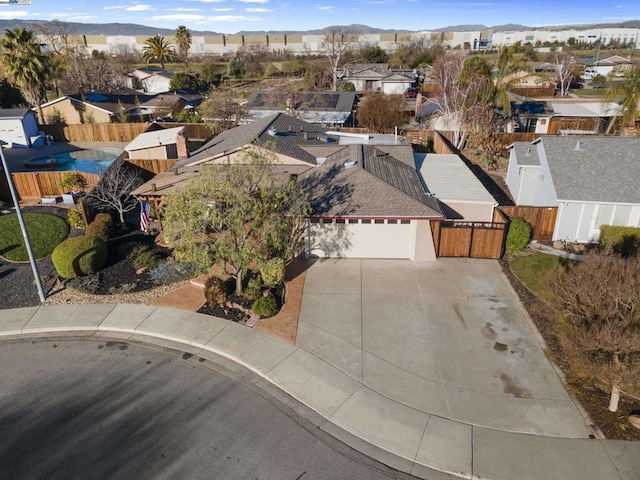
pixel 445 337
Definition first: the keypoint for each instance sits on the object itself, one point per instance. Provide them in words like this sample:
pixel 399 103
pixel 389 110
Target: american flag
pixel 144 216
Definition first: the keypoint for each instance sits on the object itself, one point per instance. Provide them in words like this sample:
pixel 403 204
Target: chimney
pixel 181 145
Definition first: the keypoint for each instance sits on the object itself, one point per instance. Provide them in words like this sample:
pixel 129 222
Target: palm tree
pixel 26 65
pixel 627 93
pixel 183 40
pixel 159 49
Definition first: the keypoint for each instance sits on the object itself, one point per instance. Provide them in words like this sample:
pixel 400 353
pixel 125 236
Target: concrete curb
pixel 337 404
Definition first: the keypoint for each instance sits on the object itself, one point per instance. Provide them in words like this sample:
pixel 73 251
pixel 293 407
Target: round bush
pixel 98 229
pixel 272 272
pixel 215 291
pixel 265 306
pixel 79 256
pixel 147 260
pixel 518 235
pixel 105 218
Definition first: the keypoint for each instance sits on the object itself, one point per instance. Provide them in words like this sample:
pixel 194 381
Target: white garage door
pixel 361 238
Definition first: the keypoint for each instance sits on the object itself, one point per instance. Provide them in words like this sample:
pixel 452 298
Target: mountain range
pixel 134 29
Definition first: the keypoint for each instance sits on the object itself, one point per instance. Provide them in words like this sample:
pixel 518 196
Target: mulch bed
pixel 614 426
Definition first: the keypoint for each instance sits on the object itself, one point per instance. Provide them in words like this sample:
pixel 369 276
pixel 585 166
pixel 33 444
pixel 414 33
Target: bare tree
pixel 563 66
pixel 113 191
pixel 381 113
pixel 600 296
pixel 222 107
pixel 336 44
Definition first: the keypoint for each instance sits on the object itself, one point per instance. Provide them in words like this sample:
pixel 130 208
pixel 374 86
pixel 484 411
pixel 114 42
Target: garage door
pixel 361 238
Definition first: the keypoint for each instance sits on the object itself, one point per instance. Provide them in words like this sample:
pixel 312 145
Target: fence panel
pixel 32 185
pixel 153 166
pixel 469 239
pixel 541 219
pixel 121 132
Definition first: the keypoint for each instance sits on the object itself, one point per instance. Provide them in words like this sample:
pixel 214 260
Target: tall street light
pixel 25 235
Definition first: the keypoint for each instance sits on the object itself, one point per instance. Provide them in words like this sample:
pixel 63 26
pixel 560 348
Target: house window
pixel 392 222
pixel 339 220
pixel 327 220
pixel 353 220
pixel 366 220
pixel 378 221
pixel 543 121
pixel 315 220
pixel 405 222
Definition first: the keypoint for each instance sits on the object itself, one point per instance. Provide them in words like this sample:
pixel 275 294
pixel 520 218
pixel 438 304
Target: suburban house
pixel 161 143
pixel 18 128
pixel 324 108
pixel 367 197
pixel 377 77
pixel 150 79
pixel 592 180
pixel 530 84
pixel 96 107
pixel 614 65
pixel 567 117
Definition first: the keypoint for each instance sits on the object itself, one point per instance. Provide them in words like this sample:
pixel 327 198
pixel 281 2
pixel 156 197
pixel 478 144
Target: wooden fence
pixel 471 239
pixel 558 124
pixel 120 132
pixel 32 185
pixel 152 166
pixel 541 219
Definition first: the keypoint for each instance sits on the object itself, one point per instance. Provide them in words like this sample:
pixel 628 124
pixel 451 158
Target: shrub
pixel 79 256
pixel 72 181
pixel 98 229
pixel 265 306
pixel 132 250
pixel 623 240
pixel 146 259
pixel 254 287
pixel 215 291
pixel 105 218
pixel 124 288
pixel 88 284
pixel 75 218
pixel 272 272
pixel 518 235
pixel 172 271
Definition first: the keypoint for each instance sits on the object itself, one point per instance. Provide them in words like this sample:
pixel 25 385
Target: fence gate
pixel 469 239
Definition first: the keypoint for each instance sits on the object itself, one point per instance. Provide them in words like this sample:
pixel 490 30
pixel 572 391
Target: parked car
pixel 411 92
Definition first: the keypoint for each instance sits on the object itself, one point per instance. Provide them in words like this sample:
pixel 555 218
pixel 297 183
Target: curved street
pixel 102 409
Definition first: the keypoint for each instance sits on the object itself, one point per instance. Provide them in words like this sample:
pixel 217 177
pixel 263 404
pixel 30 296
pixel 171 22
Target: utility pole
pixel 25 234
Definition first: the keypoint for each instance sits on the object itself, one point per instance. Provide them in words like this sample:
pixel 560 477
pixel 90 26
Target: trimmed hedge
pixel 79 256
pixel 98 229
pixel 518 236
pixel 215 291
pixel 105 218
pixel 623 240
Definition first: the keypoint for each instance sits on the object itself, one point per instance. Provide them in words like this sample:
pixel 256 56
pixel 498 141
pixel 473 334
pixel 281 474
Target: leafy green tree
pixel 236 215
pixel 10 96
pixel 26 65
pixel 237 68
pixel 627 93
pixel 188 81
pixel 183 40
pixel 373 54
pixel 157 48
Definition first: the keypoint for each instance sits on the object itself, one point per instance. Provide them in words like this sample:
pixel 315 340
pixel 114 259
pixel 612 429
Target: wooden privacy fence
pixel 541 219
pixel 121 132
pixel 152 166
pixel 471 239
pixel 32 185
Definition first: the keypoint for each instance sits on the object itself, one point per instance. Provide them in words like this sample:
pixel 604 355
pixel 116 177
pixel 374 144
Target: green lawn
pixel 45 232
pixel 532 270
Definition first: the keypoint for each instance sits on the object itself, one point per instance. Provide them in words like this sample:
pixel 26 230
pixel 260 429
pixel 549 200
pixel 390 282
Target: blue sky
pixel 230 16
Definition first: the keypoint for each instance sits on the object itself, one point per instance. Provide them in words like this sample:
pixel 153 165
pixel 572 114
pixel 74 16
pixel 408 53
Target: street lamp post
pixel 25 235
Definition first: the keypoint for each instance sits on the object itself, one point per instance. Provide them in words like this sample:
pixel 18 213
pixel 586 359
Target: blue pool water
pixel 91 160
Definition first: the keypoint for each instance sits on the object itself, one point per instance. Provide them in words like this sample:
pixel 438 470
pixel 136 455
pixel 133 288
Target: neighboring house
pixel 150 79
pixel 18 128
pixel 94 107
pixel 568 117
pixel 462 195
pixel 323 108
pixel 367 198
pixel 162 143
pixel 530 84
pixel 167 104
pixel 396 83
pixel 614 65
pixel 593 181
pixel 365 76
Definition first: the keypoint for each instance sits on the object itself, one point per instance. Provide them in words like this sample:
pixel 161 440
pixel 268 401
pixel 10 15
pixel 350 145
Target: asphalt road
pixel 80 409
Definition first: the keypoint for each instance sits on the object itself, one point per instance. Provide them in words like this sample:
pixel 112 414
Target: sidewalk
pixel 411 441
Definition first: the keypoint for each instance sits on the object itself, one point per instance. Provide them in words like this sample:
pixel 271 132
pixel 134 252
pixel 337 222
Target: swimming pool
pixel 90 160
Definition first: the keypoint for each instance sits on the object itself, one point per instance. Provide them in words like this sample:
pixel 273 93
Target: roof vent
pixel 350 163
pixel 578 146
pixel 272 131
pixel 528 152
